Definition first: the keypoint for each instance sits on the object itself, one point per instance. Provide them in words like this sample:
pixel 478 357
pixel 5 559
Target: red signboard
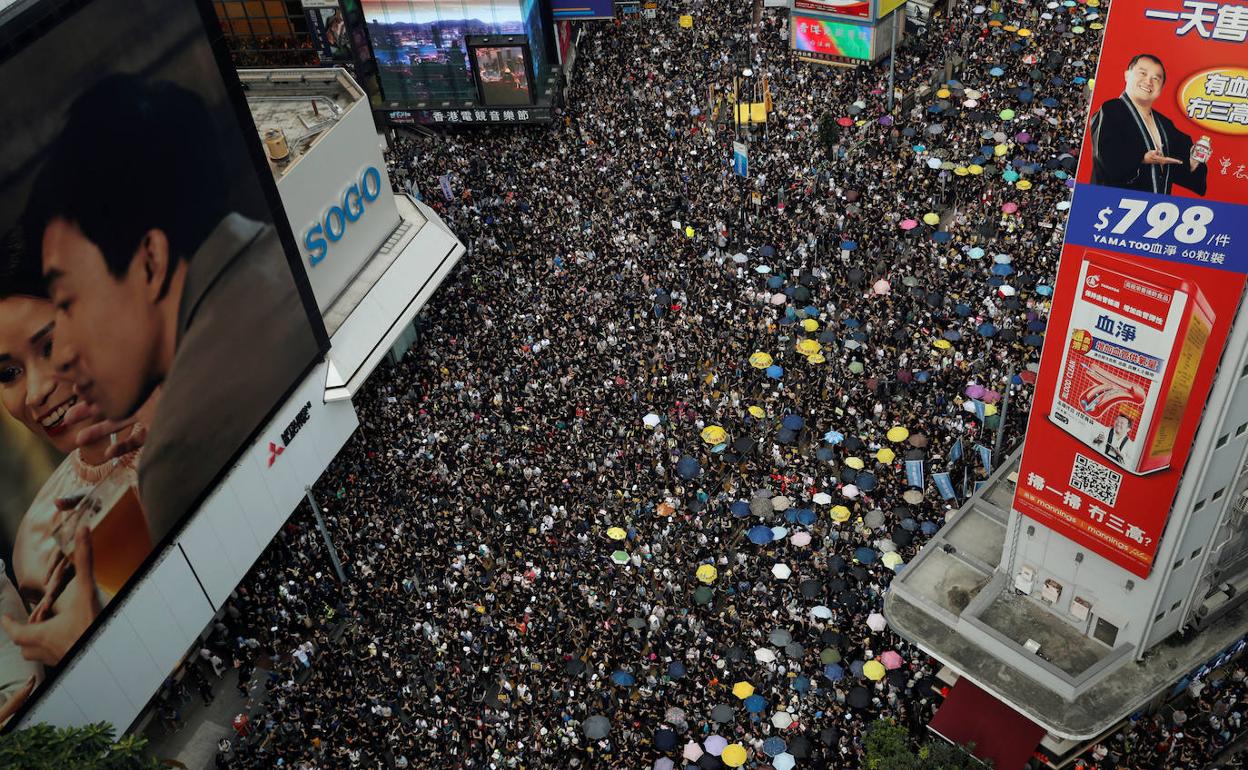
pixel 1150 278
pixel 858 9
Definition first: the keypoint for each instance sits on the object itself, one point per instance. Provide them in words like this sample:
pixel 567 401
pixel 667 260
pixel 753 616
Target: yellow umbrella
pixel 757 412
pixel 931 218
pixel 815 358
pixel 1024 32
pixel 854 462
pixel 898 434
pixel 1000 150
pixel 615 533
pixel 990 410
pixel 943 93
pixel 686 21
pixel 707 574
pixel 975 169
pixel 873 670
pixel 891 560
pixel 840 513
pixel 1023 184
pixel 809 347
pixel 743 690
pixel 810 324
pixel 886 455
pixel 942 344
pixel 760 360
pixel 713 434
pixel 961 171
pixel 689 232
pixel 734 755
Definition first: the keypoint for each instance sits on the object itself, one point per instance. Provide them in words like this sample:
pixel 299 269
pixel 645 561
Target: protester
pixel 523 511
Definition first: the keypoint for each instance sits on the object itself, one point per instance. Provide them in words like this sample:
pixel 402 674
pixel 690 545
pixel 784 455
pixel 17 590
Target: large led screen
pixel 150 316
pixel 504 75
pixel 420 48
pixel 831 38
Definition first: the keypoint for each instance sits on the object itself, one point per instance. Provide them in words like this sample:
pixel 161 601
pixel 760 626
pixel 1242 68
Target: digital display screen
pixel 831 38
pixel 504 75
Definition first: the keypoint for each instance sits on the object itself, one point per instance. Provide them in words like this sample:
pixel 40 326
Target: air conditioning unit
pixel 1025 580
pixel 1080 608
pixel 1241 505
pixel 1051 592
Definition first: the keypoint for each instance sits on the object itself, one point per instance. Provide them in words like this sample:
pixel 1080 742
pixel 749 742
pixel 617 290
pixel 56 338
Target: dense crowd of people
pixel 639 489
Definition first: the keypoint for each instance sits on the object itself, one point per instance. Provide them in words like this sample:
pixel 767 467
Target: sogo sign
pixel 339 216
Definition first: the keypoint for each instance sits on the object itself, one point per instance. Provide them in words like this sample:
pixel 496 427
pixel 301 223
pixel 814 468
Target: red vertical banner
pixel 1150 280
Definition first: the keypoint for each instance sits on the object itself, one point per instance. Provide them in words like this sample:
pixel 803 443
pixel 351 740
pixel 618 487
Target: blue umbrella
pixel 865 555
pixel 739 509
pixel 962 309
pixel 786 436
pixel 1036 325
pixel 676 669
pixel 664 739
pixel 1033 340
pixel 922 376
pixel 953 335
pixel 928 527
pixel 768 251
pixel 775 282
pixel 688 468
pixel 759 535
pixel 623 679
pixel 801 684
pixel 1044 290
pixel 855 668
pixel 853 323
pixel 773 746
pixel 986 330
pixel 944 236
pixel 793 422
pixel 823 454
pixel 834 437
pixel 1002 270
pixel 1049 101
pixel 866 482
pixel 755 703
pixel 834 672
pixel 775 371
pixel 996 72
pixel 849 245
pixel 805 516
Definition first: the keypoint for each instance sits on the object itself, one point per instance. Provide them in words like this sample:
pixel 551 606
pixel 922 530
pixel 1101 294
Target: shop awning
pixel 972 717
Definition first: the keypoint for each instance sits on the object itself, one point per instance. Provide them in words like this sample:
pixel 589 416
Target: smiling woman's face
pixel 28 386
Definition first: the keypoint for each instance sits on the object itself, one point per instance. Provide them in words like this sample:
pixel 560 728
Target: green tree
pixel 93 747
pixel 891 747
pixel 829 132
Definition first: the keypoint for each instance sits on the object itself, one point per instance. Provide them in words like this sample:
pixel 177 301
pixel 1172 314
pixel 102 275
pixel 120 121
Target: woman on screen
pixel 73 549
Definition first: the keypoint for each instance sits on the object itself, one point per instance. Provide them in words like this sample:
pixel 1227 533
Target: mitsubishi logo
pixel 288 435
pixel 275 451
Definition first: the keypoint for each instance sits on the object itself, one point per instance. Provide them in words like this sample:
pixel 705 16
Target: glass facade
pixel 266 33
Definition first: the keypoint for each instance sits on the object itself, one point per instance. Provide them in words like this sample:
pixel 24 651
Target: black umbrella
pixel 800 747
pixel 902 537
pixel 664 739
pixel 829 736
pixel 858 698
pixel 722 714
pixel 810 588
pixel 836 564
pixel 852 443
pixel 898 677
pixel 735 654
pixel 744 445
pixel 596 727
pixel 858 572
pixel 575 667
pixel 830 638
pixel 837 586
pixel 709 762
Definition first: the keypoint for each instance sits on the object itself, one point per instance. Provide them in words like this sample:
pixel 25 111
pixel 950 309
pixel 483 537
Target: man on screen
pixel 1135 147
pixel 157 284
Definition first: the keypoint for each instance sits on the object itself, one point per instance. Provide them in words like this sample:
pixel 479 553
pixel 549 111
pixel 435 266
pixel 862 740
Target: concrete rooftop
pixel 304 103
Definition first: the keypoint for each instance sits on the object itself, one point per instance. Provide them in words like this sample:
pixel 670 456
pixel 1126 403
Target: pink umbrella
pixel 715 745
pixel 693 752
pixel 663 763
pixel 778 299
pixel 881 287
pixel 1010 207
pixel 974 391
pixel 891 660
pixel 800 539
pixel 908 224
pixel 1023 137
pixel 991 396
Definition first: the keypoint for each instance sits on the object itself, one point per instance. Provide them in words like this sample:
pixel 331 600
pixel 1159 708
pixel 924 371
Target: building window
pixel 1105 632
pixel 1241 429
pixel 1158 617
pixel 1197 552
pixel 1217 494
pixel 266 32
pixel 1225 437
pixel 1178 563
pixel 1244 372
pixel 1175 606
pixel 1199 504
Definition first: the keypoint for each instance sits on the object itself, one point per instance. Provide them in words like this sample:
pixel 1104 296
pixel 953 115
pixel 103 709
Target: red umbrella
pixel 845 121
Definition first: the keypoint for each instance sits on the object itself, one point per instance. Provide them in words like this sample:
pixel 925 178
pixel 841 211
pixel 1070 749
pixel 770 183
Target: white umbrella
pixel 781 719
pixel 781 571
pixel 876 622
pixel 740 258
pixel 781 503
pixel 822 498
pixel 764 655
pixel 800 539
pixel 651 420
pixel 881 287
pixel 850 491
pixel 693 751
pixel 821 612
pixel 778 299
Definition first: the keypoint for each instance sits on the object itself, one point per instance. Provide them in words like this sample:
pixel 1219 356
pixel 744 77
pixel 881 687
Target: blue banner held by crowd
pixel 944 485
pixel 914 473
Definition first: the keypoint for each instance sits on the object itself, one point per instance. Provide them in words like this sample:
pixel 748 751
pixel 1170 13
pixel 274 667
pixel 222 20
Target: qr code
pixel 1092 478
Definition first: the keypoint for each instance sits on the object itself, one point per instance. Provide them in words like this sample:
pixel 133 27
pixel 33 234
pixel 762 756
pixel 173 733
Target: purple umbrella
pixel 715 744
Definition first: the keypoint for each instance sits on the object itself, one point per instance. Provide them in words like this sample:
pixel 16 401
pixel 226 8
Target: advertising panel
pixel 502 74
pixel 152 314
pixel 421 49
pixel 327 26
pixel 572 10
pixel 857 9
pixel 1150 279
pixel 886 7
pixel 831 40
